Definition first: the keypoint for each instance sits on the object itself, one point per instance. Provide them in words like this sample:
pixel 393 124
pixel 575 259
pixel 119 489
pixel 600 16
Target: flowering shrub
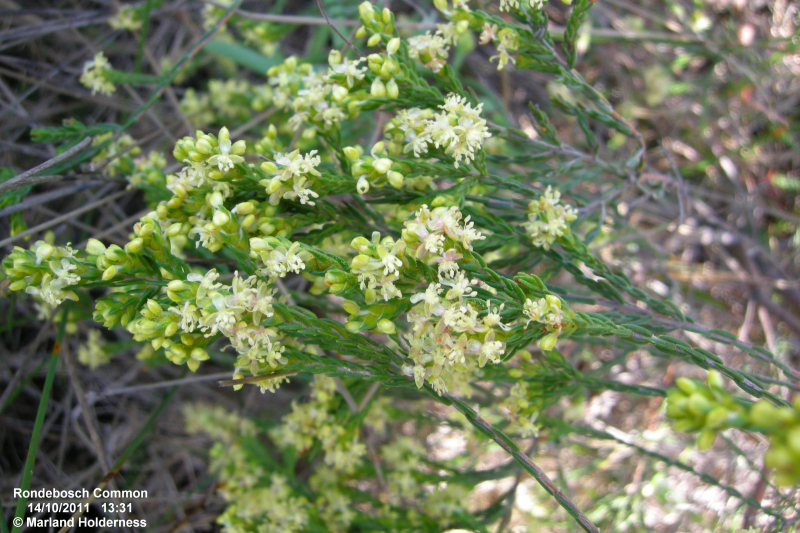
pixel 408 261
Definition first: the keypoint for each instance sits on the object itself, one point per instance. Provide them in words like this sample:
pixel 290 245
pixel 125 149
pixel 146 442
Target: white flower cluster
pixel 51 276
pixel 505 40
pixel 209 159
pixel 518 405
pixel 266 509
pixel 235 311
pixel 548 218
pixel 432 49
pixel 257 500
pixel 441 502
pixel 435 236
pixel 546 311
pixel 447 335
pixel 314 420
pixel 508 5
pixel 276 259
pixel 458 129
pixel 91 352
pixel 95 75
pixel 294 174
pixel 378 265
pixel 126 18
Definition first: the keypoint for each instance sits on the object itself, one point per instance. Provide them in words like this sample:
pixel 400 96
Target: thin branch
pixel 62 218
pixel 24 179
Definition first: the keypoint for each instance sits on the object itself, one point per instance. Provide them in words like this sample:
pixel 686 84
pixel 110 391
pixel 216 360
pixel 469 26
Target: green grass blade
pixel 247 57
pixel 27 473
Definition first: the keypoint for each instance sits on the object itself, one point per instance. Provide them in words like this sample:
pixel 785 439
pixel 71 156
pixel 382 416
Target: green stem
pixel 27 473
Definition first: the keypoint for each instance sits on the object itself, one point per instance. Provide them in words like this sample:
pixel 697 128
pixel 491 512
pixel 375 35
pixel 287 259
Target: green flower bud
pixel 392 90
pixel 394 45
pixel 18 285
pixel 366 12
pixel 351 307
pixel 715 379
pixel 378 89
pixel 334 57
pixel 360 262
pixel 153 307
pixel 238 148
pixel 193 364
pixel 382 165
pixel 95 247
pixel 374 40
pixel 361 32
pixel 706 439
pixel 176 285
pixel 395 179
pixel 548 342
pixel 764 415
pixel 220 219
pixel 203 146
pixel 199 354
pixel 43 252
pixel 353 326
pixel 174 229
pixel 687 385
pixel 171 329
pixel 386 326
pixel 135 246
pixel 351 153
pixel 224 134
pixel 362 186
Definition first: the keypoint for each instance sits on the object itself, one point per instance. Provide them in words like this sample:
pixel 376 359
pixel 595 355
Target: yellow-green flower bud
pixel 351 153
pixel 171 329
pixel 360 32
pixel 176 285
pixel 351 307
pixel 706 439
pixel 394 45
pixel 339 93
pixel 366 12
pixel 687 385
pixel 18 285
pixel 220 218
pixel 153 307
pixel 386 326
pixel 174 229
pixel 382 165
pixel 374 40
pixel 392 90
pixel 353 326
pixel 224 134
pixel 395 179
pixel 109 274
pixel 360 262
pixel 199 354
pixel 95 247
pixel 193 364
pixel 43 252
pixel 378 89
pixel 362 186
pixel 548 342
pixel 334 57
pixel 238 148
pixel 203 146
pixel 135 246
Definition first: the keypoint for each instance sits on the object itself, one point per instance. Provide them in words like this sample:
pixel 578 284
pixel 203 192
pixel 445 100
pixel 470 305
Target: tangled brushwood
pixel 421 258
